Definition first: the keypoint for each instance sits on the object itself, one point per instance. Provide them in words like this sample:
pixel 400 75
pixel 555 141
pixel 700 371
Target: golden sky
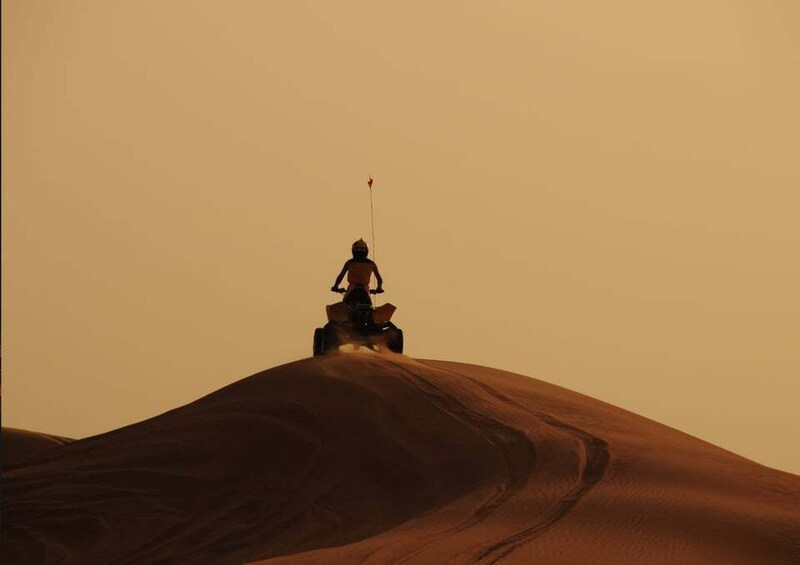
pixel 603 195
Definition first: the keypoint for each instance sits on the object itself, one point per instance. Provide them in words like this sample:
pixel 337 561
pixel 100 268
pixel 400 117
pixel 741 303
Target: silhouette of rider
pixel 359 269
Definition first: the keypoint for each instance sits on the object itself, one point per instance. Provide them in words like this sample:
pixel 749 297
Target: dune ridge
pixel 19 445
pixel 361 458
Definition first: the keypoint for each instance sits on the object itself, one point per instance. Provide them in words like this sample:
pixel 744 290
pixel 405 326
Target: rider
pixel 359 269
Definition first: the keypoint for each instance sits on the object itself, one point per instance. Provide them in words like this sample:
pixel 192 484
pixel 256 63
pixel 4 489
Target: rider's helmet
pixel 360 249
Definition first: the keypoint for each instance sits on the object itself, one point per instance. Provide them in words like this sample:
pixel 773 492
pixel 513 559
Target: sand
pixel 19 445
pixel 363 458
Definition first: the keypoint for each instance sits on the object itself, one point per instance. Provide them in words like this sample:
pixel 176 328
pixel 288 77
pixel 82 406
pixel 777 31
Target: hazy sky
pixel 603 195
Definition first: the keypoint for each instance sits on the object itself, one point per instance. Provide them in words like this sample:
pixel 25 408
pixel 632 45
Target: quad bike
pixel 356 322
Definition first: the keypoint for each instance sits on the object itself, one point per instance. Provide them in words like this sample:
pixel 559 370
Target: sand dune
pixel 19 445
pixel 365 458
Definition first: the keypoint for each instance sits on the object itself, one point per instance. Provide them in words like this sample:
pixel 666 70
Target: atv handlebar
pixel 342 291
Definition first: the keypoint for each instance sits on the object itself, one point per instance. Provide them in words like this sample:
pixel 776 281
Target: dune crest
pixel 19 445
pixel 382 458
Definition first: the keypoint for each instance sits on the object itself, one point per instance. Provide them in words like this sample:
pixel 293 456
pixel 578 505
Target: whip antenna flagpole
pixel 372 218
pixel 372 221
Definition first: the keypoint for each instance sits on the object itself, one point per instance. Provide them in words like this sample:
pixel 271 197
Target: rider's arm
pixel 342 274
pixel 377 276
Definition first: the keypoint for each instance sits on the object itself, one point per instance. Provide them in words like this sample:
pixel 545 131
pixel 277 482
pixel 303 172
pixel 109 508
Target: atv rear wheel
pixel 330 338
pixel 319 342
pixel 395 341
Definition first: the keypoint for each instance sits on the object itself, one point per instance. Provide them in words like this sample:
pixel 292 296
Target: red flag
pixel 369 182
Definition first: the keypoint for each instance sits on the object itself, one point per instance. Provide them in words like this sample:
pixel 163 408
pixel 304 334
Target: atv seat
pixel 358 295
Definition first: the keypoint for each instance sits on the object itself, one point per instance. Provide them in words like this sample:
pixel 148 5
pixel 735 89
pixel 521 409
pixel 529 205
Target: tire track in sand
pixel 494 432
pixel 595 457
